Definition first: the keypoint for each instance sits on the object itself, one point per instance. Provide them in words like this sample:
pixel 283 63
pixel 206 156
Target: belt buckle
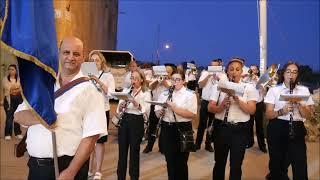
pixel 43 162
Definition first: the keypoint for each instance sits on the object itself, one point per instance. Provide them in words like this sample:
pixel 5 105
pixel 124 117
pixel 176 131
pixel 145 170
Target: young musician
pixel 157 87
pixel 105 82
pixel 206 83
pixel 131 129
pixel 257 118
pixel 180 111
pixel 286 131
pixel 233 113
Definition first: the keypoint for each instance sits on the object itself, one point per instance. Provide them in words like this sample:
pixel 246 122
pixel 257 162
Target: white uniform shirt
pixel 208 89
pixel 127 80
pixel 183 98
pixel 80 114
pixel 235 113
pixel 141 97
pixel 273 96
pixel 107 79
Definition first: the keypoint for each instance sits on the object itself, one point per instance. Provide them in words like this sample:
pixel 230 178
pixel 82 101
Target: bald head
pixel 71 55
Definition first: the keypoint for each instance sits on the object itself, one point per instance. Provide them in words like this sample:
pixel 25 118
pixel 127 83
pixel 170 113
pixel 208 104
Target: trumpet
pixel 161 78
pixel 194 70
pixel 268 76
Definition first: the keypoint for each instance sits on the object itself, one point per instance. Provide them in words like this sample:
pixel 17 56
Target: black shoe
pixel 209 148
pixel 147 150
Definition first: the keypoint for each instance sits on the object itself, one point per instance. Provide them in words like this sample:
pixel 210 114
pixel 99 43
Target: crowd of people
pixel 225 117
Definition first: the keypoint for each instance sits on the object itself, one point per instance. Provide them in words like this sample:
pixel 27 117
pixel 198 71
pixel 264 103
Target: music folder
pixel 89 68
pixel 159 103
pixel 231 88
pixel 293 97
pixel 122 95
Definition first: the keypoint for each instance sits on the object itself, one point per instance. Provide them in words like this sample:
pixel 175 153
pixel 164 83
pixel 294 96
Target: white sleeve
pixel 94 118
pixel 253 93
pixel 161 98
pixel 214 94
pixel 270 97
pixel 204 74
pixel 145 107
pixel 192 103
pixel 23 106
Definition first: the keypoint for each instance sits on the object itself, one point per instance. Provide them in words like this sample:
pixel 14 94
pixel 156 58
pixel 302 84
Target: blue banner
pixel 28 32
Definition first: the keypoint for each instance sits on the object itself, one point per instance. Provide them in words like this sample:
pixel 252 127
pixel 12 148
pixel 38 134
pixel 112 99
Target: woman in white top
pixel 233 113
pixel 180 111
pixel 131 128
pixel 286 131
pixel 12 98
pixel 105 82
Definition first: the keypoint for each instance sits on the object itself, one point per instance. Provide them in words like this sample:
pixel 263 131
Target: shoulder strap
pixel 69 86
pixel 101 74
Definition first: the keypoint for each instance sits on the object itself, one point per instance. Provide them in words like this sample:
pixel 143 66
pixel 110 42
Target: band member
pixel 127 77
pixel 191 78
pixel 157 87
pixel 80 121
pixel 286 131
pixel 233 113
pixel 257 118
pixel 206 83
pixel 131 129
pixel 180 111
pixel 105 82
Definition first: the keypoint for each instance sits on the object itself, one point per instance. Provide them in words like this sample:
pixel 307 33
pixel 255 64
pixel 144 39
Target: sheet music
pixel 89 68
pixel 159 70
pixel 156 103
pixel 122 95
pixel 231 88
pixel 293 97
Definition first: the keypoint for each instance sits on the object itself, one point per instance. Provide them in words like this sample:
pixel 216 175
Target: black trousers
pixel 257 118
pixel 204 122
pixel 153 122
pixel 130 135
pixel 177 162
pixel 284 150
pixel 231 138
pixel 14 103
pixel 43 168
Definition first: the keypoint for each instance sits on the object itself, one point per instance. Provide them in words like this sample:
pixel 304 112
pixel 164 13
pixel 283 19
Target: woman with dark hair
pixel 181 109
pixel 131 128
pixel 12 98
pixel 286 131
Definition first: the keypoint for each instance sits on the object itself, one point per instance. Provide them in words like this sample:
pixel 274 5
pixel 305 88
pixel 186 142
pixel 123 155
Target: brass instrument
pixel 194 70
pixel 268 76
pixel 161 78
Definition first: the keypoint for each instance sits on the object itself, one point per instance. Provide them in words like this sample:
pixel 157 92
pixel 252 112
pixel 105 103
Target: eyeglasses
pixel 176 79
pixel 295 72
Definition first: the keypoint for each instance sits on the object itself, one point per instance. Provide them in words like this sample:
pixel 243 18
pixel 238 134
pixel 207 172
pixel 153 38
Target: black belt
pixel 232 123
pixel 173 123
pixel 46 161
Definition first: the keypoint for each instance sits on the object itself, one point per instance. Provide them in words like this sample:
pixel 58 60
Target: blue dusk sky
pixel 201 30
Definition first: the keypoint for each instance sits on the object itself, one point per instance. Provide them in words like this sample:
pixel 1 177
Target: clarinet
pixel 120 115
pixel 171 88
pixel 291 130
pixel 226 114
